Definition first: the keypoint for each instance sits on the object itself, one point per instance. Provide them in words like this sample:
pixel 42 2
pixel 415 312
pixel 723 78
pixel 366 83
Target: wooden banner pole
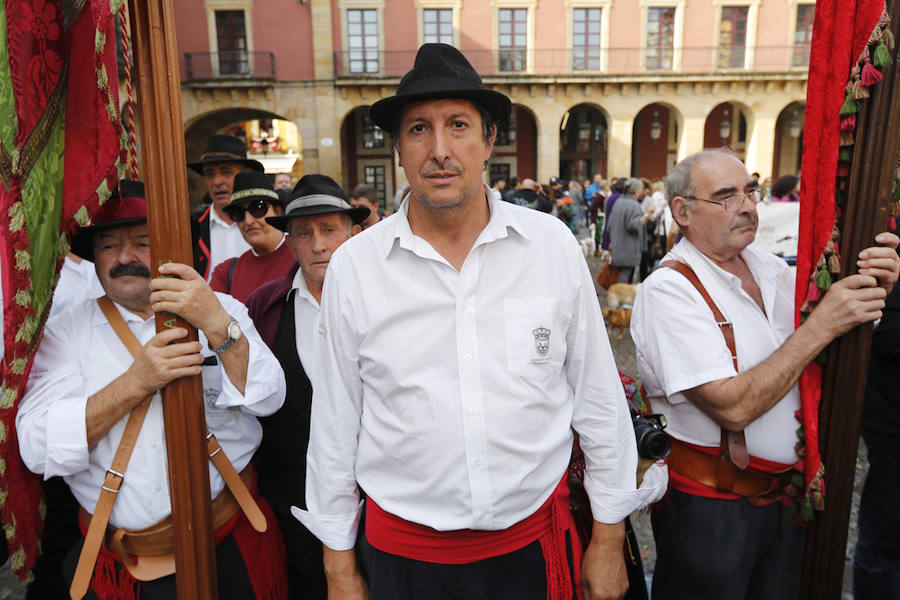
pixel 165 176
pixel 866 213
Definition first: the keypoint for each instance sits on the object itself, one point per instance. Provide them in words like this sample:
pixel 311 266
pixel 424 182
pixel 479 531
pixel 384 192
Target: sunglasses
pixel 256 208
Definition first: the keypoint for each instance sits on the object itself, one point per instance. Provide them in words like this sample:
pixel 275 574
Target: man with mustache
pixel 219 236
pixel 460 342
pixel 89 399
pixel 719 357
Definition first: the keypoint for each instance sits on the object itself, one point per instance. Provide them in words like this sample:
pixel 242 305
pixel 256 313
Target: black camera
pixel 652 442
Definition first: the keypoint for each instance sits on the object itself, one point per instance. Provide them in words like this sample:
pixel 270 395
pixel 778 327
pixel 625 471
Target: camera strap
pixel 733 444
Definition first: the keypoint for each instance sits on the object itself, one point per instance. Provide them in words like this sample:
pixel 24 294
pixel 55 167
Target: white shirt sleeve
pixel 332 496
pixel 265 387
pixel 601 415
pixel 50 422
pixel 677 334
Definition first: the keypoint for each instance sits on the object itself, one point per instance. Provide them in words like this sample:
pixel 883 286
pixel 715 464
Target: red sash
pixel 394 535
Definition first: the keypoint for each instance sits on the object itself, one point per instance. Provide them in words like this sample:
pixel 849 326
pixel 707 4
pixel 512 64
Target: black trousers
pixel 725 549
pixel 306 572
pixel 519 575
pixel 233 579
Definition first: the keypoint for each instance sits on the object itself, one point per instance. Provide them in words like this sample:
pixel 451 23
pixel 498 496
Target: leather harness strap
pixel 733 444
pixel 116 473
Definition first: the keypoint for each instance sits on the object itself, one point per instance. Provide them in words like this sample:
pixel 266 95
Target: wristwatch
pixel 234 334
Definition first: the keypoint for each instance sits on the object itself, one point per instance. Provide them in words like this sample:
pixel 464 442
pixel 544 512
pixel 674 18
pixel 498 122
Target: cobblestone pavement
pixel 11 589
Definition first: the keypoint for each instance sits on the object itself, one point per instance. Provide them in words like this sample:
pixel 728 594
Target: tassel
pixel 888 39
pixel 834 264
pixel 881 58
pixel 844 154
pixel 895 196
pixel 848 123
pixel 846 140
pixel 829 247
pixel 813 293
pixel 870 75
pixel 892 222
pixel 850 106
pixel 823 279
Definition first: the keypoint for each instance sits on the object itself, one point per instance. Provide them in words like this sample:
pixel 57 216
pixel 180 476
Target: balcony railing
pixel 587 61
pixel 236 64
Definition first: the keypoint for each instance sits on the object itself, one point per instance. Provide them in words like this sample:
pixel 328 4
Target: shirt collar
pixel 759 268
pixel 501 220
pixel 99 319
pixel 299 285
pixel 215 218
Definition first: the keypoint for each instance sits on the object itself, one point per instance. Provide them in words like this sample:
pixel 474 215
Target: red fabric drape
pixel 840 32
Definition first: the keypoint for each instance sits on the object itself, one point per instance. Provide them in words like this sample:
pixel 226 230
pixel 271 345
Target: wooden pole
pixel 165 176
pixel 865 214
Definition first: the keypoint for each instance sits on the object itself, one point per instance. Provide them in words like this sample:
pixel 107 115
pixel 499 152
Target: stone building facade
pixel 620 87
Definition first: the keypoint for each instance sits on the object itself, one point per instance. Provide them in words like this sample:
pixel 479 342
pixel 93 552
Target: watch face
pixel 234 330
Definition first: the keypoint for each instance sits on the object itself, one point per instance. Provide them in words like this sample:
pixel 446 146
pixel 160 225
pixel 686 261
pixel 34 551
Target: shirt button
pixel 468 357
pixel 154 446
pixel 477 462
pixel 159 488
pixel 474 410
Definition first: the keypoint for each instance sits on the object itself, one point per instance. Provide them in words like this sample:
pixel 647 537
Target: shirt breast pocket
pixel 212 387
pixel 535 336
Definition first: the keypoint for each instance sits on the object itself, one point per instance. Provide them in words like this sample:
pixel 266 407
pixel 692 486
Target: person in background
pixel 626 226
pixel 269 257
pixel 786 189
pixel 498 184
pixel 365 196
pixel 282 181
pixel 218 237
pixel 617 187
pixel 284 311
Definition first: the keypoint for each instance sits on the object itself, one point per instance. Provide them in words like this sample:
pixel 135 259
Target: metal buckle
pixel 114 473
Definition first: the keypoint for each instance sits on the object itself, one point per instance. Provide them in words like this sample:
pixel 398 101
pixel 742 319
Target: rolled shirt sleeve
pixel 50 422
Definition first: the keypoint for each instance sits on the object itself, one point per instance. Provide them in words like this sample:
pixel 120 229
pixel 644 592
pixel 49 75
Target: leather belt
pixel 159 538
pixel 719 473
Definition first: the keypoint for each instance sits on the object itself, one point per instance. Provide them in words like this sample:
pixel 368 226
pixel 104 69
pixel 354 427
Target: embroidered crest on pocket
pixel 541 345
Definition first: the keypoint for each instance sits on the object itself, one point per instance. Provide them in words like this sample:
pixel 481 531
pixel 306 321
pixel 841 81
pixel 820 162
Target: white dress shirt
pixel 451 396
pixel 79 355
pixel 77 282
pixel 679 346
pixel 306 308
pixel 225 241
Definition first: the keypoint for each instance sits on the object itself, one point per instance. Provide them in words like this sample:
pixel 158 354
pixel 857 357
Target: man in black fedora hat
pixel 89 398
pixel 460 342
pixel 254 200
pixel 219 237
pixel 316 221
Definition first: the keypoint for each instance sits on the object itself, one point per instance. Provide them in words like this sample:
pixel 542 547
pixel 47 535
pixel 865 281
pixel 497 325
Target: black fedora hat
pixel 317 195
pixel 224 148
pixel 125 207
pixel 440 71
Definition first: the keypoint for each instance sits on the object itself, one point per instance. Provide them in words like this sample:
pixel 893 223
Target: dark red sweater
pixel 251 271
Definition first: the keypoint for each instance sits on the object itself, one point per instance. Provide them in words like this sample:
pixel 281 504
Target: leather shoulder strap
pixel 733 444
pixel 115 474
pixel 725 326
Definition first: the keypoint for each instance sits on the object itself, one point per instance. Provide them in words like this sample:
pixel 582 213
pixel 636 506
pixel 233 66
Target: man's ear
pixel 355 229
pixel 681 211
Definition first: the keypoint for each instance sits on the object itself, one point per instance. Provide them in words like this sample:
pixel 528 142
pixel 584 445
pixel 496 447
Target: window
pixel 733 37
pixel 803 35
pixel 660 38
pixel 362 40
pixel 374 175
pixel 372 136
pixel 437 26
pixel 586 39
pixel 512 39
pixel 231 36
